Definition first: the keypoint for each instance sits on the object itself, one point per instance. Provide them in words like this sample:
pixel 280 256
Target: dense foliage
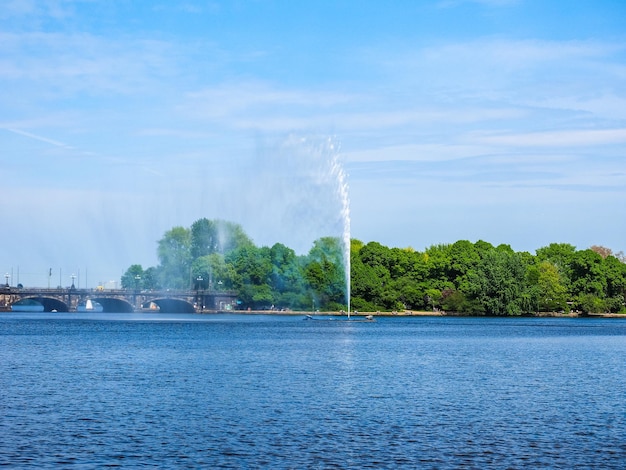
pixel 463 277
pixel 218 255
pixel 480 279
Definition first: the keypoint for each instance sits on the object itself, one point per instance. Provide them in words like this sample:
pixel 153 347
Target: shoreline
pixel 413 314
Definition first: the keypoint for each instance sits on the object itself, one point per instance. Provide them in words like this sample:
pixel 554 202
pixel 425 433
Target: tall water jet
pixel 297 192
pixel 339 175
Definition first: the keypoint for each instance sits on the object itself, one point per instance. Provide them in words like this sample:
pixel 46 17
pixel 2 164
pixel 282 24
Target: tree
pixel 325 272
pixel 601 250
pixel 438 261
pixel 454 301
pixel 587 274
pixel 462 277
pixel 371 277
pixel 615 272
pixel 150 279
pixel 551 292
pixel 463 257
pixel 175 258
pixel 289 288
pixel 253 268
pixel 433 298
pixel 216 236
pixel 496 287
pixel 212 272
pixel 133 278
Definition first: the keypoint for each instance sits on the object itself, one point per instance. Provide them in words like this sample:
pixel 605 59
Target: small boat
pixel 27 305
pixel 89 306
pixel 367 318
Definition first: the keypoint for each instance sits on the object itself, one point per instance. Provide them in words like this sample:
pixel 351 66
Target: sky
pixel 494 120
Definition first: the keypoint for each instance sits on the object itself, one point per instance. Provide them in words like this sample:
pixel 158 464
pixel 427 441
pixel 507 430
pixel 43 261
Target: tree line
pixel 462 277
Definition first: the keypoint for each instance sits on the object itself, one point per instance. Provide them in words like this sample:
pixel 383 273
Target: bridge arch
pixel 112 304
pixel 50 304
pixel 169 305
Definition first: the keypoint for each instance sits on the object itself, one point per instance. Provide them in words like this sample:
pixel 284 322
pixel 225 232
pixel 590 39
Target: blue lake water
pixel 245 391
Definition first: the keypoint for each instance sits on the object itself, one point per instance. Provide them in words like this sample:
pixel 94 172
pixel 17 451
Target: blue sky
pixel 500 120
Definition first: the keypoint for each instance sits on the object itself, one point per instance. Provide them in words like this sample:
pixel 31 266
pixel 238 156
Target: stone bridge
pixel 122 300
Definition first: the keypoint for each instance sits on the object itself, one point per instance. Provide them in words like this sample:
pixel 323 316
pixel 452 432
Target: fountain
pixel 342 189
pixel 298 193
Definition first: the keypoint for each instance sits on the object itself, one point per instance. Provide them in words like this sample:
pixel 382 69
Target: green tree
pixel 253 268
pixel 438 261
pixel 150 279
pixel 551 292
pixel 324 271
pixel 372 279
pixel 589 303
pixel 433 298
pixel 454 301
pixel 462 277
pixel 496 287
pixel 463 257
pixel 615 272
pixel 559 254
pixel 175 258
pixel 365 286
pixel 133 278
pixel 410 295
pixel 587 274
pixel 212 272
pixel 289 288
pixel 216 236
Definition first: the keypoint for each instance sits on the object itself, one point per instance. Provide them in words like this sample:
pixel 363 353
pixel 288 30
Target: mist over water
pixel 297 193
pixel 290 190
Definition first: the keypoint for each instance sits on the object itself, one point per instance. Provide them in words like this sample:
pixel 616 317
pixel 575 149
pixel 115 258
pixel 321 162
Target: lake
pixel 262 391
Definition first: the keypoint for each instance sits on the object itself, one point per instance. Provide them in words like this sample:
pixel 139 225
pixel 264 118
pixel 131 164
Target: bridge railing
pixel 26 291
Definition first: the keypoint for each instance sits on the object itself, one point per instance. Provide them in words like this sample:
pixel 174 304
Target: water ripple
pixel 419 393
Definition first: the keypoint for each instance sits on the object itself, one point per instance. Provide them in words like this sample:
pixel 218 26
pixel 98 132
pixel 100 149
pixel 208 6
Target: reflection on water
pixel 239 391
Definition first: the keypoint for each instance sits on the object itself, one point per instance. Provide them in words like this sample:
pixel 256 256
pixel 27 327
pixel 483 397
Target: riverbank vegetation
pixel 462 277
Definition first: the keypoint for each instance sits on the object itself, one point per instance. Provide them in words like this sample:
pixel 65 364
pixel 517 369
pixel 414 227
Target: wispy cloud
pixel 501 69
pixel 444 119
pixel 563 139
pixel 190 7
pixel 56 143
pixel 84 63
pixel 37 8
pixel 229 99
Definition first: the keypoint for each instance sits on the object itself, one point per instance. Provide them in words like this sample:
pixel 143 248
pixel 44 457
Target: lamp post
pixel 69 293
pixel 199 303
pixel 137 279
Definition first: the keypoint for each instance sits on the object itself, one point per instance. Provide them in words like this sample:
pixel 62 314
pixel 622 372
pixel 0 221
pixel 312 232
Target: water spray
pixel 339 174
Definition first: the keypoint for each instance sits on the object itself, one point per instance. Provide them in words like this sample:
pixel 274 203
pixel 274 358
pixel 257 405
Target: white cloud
pixel 565 138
